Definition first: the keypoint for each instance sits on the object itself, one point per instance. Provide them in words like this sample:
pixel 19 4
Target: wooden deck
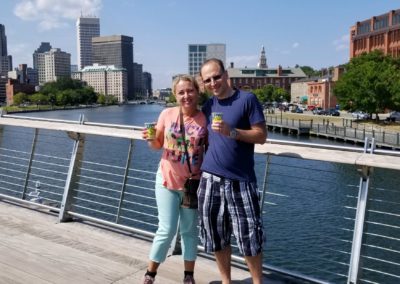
pixel 35 248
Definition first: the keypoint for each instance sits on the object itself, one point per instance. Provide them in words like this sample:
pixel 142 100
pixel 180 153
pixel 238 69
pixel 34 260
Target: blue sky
pixel 304 32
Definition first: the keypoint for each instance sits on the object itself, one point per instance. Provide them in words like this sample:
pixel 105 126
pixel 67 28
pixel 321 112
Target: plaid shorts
pixel 227 206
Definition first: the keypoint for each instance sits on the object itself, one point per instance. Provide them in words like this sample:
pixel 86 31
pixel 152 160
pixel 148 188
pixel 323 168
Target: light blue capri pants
pixel 170 213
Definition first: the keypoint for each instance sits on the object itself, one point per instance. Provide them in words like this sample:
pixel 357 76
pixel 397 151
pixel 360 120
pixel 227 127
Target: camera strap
pixel 182 125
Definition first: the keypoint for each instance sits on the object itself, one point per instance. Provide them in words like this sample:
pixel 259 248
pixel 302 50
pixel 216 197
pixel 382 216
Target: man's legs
pixel 223 258
pixel 254 263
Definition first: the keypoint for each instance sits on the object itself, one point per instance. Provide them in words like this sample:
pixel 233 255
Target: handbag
pixel 189 199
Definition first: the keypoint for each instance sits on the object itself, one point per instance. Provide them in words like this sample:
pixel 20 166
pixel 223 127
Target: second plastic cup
pixel 216 116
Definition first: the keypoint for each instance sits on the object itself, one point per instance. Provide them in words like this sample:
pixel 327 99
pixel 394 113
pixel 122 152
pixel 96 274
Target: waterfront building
pixel 5 62
pixel 87 28
pixel 57 64
pixel 316 91
pixel 198 53
pixel 38 61
pixel 116 50
pixel 148 85
pixel 15 86
pixel 258 77
pixel 299 90
pixel 162 94
pixel 24 75
pixel 138 80
pixel 377 33
pixel 105 79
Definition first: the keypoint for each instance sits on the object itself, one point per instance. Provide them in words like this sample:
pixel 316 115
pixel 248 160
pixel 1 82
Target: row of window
pixel 379 23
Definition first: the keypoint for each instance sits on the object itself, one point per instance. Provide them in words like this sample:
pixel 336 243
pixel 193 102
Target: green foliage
pixel 171 99
pixel 20 98
pixel 371 83
pixel 39 99
pixel 204 97
pixel 67 91
pixel 270 93
pixel 107 100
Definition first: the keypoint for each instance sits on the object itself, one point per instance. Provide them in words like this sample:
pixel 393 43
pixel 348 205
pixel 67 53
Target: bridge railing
pixel 330 213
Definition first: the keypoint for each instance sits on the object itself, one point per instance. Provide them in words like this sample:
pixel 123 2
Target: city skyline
pixel 303 32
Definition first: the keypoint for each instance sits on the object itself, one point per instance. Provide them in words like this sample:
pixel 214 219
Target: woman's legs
pixel 189 236
pixel 168 205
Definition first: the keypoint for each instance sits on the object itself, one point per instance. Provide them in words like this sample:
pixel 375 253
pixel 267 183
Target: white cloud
pixel 52 14
pixel 342 43
pixel 295 45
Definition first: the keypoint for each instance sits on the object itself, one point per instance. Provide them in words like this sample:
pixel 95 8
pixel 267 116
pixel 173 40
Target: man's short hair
pixel 216 61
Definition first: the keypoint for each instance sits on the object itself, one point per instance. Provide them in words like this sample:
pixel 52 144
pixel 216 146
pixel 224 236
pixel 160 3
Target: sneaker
pixel 189 280
pixel 147 279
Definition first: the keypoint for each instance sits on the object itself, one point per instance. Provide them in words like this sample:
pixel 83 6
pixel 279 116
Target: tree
pixel 39 98
pixel 371 83
pixel 20 98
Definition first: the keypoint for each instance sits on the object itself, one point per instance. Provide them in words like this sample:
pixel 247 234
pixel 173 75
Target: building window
pixel 381 23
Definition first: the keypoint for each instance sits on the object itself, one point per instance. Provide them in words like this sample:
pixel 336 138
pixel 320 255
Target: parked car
pixel 310 107
pixel 394 116
pixel 320 111
pixel 360 115
pixel 333 112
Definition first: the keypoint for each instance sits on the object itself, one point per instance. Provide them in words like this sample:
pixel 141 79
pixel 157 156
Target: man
pixel 228 194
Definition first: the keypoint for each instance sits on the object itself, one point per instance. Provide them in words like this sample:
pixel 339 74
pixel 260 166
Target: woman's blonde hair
pixel 186 78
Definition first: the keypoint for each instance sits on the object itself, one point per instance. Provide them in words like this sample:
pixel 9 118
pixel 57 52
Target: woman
pixel 173 172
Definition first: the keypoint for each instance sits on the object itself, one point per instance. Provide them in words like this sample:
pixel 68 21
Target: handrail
pixel 387 159
pixel 279 186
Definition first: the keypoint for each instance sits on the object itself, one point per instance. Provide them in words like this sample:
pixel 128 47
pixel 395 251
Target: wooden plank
pixel 34 248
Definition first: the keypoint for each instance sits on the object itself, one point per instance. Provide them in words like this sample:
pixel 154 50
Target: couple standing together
pixel 228 198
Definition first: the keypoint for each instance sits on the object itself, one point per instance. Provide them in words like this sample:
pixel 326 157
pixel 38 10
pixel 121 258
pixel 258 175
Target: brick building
pixel 379 32
pixel 14 86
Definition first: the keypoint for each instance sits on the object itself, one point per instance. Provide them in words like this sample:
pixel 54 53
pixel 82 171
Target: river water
pixel 310 206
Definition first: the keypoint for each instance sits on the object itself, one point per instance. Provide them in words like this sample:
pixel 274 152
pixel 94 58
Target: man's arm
pixel 256 135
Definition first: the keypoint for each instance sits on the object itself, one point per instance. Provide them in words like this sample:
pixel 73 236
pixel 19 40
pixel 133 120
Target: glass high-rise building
pixel 87 28
pixel 116 50
pixel 5 63
pixel 198 53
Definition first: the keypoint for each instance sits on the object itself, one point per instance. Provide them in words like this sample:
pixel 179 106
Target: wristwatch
pixel 233 134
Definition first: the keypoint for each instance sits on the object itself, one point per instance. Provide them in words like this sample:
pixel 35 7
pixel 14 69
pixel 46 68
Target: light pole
pixel 281 97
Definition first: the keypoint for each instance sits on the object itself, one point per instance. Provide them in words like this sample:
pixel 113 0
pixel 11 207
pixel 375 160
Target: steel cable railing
pixel 309 204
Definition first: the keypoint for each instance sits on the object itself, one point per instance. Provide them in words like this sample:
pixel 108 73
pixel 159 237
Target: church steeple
pixel 263 60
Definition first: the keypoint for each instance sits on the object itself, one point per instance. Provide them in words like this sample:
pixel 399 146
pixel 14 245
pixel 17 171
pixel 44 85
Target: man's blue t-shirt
pixel 227 157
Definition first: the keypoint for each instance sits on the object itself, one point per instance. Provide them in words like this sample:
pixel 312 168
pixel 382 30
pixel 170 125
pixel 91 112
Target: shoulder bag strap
pixel 184 140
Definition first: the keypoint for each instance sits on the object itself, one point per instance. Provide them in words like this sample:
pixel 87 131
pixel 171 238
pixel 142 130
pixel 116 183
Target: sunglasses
pixel 214 78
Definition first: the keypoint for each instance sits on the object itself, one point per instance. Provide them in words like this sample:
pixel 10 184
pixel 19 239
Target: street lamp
pixel 281 97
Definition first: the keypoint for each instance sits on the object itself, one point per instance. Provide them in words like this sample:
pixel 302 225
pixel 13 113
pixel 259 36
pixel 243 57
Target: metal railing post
pixel 73 174
pixel 365 172
pixel 123 188
pixel 28 171
pixel 265 182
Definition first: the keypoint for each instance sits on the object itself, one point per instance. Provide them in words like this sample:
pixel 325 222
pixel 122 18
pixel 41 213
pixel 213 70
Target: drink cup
pixel 151 130
pixel 216 116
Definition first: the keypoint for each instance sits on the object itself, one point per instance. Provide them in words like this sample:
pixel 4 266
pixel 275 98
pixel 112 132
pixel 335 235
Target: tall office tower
pixel 138 80
pixel 147 85
pixel 116 50
pixel 57 64
pixel 87 28
pixel 38 61
pixel 198 53
pixel 5 63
